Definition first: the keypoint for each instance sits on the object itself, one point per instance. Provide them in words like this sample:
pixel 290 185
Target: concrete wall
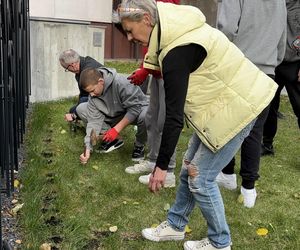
pixel 49 81
pixel 85 10
pixel 57 25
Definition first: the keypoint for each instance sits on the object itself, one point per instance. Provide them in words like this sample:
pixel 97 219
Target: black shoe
pixel 107 147
pixel 138 153
pixel 267 150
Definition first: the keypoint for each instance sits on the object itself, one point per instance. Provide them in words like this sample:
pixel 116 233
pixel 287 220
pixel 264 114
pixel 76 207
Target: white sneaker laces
pixel 160 227
pixel 203 243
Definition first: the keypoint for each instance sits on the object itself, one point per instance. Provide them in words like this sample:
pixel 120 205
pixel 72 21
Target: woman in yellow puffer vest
pixel 208 81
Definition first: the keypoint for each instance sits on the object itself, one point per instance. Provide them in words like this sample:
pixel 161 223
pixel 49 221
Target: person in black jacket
pixel 71 61
pixel 287 74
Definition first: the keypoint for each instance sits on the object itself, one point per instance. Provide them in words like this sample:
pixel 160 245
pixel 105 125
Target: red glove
pixel 169 1
pixel 138 76
pixel 155 73
pixel 110 135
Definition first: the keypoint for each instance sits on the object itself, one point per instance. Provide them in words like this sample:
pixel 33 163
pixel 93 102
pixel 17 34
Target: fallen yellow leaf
pixel 16 183
pixel 18 242
pixel 187 229
pixel 240 199
pixel 45 246
pixel 113 229
pixel 167 207
pixel 95 167
pixel 262 231
pixel 154 225
pixel 16 209
pixel 63 131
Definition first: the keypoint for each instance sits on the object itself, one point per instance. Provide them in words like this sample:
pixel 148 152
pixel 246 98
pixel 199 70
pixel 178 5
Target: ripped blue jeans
pixel 198 186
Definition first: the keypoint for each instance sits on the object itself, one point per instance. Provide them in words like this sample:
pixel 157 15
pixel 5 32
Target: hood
pixel 109 75
pixel 177 20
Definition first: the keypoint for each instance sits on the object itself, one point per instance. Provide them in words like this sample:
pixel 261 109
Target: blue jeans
pixel 198 186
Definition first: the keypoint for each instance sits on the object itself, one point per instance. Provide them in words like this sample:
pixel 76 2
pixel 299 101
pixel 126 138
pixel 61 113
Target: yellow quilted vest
pixel 227 91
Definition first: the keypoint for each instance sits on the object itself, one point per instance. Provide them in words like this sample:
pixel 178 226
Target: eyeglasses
pixel 67 68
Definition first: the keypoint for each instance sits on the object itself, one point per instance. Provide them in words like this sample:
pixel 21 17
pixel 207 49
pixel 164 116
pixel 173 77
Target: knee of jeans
pixel 195 183
pixel 192 171
pixel 193 177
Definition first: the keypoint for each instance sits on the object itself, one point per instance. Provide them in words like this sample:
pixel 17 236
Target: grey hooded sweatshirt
pixel 119 99
pixel 256 27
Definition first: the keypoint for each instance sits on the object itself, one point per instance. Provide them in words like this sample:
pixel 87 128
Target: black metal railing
pixel 14 87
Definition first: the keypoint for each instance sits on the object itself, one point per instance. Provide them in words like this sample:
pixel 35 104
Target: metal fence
pixel 14 87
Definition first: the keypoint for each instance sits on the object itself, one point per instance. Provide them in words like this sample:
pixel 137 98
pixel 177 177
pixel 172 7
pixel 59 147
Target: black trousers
pixel 250 152
pixel 286 75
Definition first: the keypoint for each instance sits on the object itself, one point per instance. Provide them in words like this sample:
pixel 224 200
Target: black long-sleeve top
pixel 86 62
pixel 177 66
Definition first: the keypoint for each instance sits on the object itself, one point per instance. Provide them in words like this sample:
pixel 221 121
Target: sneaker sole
pixel 138 172
pixel 112 148
pixel 165 238
pixel 227 186
pixel 186 247
pixel 172 185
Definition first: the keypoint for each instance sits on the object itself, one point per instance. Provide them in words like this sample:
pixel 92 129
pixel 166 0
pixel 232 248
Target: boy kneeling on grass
pixel 113 104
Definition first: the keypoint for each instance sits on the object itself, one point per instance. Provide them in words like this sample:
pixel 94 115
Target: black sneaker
pixel 138 153
pixel 107 147
pixel 266 150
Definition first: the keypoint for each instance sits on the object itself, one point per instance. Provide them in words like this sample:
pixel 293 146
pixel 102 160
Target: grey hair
pixel 135 9
pixel 69 56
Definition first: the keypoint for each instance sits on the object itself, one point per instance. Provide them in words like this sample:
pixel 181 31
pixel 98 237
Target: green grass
pixel 123 67
pixel 72 206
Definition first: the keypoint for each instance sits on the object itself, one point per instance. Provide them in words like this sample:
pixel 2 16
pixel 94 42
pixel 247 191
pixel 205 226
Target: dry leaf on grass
pixel 45 246
pixel 95 167
pixel 262 231
pixel 16 183
pixel 187 229
pixel 113 229
pixel 167 207
pixel 240 199
pixel 16 209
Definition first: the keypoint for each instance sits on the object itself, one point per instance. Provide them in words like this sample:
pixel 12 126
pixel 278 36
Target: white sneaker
pixel 169 182
pixel 227 180
pixel 141 167
pixel 202 245
pixel 162 232
pixel 249 196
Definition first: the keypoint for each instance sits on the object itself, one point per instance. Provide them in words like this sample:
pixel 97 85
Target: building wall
pixel 57 25
pixel 83 10
pixel 49 81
